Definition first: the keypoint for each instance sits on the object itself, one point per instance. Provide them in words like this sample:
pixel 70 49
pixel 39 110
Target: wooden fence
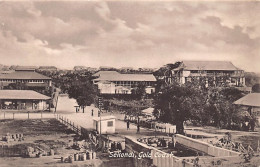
pixel 28 115
pixel 71 125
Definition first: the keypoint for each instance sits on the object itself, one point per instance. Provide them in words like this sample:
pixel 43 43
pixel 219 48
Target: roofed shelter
pixel 107 124
pixel 23 100
pixel 252 101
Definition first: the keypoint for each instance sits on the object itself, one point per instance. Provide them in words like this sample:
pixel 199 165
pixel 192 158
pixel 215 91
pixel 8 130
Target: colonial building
pixel 112 82
pixel 23 100
pixel 214 73
pixel 48 68
pixel 26 76
pixel 251 103
pixel 25 68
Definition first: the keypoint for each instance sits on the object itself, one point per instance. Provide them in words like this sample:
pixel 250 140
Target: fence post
pixel 28 115
pixel 4 114
pixel 13 115
pixel 41 114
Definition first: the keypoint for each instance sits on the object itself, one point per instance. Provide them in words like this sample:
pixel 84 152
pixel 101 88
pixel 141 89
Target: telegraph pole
pixel 100 105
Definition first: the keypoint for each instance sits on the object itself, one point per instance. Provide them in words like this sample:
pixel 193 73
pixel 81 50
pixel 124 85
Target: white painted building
pixel 215 73
pixel 107 123
pixel 112 82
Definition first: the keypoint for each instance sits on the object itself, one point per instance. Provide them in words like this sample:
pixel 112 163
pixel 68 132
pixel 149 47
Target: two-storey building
pixel 113 82
pixel 214 73
pixel 26 76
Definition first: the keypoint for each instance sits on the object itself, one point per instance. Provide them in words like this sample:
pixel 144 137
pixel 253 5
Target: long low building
pixel 23 100
pixel 28 77
pixel 113 82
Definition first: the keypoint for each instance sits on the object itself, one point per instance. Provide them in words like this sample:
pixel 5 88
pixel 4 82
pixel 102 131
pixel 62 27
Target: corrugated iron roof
pixel 23 75
pixel 26 68
pixel 252 99
pixel 116 76
pixel 22 95
pixel 103 118
pixel 98 74
pixel 208 65
pixel 126 77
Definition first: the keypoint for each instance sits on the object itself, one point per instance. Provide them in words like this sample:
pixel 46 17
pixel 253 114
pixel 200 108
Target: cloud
pixel 128 33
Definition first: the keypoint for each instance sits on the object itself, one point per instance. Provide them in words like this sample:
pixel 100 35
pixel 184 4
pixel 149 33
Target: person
pixel 174 140
pixel 128 125
pixel 138 128
pixel 92 112
pixel 252 125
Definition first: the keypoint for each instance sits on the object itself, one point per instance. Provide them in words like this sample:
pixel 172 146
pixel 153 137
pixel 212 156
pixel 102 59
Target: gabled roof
pixel 207 65
pixel 115 76
pixel 22 95
pixel 100 73
pixel 148 111
pixel 23 75
pixel 25 68
pixel 103 118
pixel 252 99
pixel 48 67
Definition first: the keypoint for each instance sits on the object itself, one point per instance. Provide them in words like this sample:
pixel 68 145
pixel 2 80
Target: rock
pixel 51 152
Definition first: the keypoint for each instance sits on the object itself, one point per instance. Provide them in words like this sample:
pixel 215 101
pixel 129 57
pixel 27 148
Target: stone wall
pixel 204 147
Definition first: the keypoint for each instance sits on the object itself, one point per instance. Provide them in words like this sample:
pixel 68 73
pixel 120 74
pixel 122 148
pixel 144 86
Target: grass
pixel 32 127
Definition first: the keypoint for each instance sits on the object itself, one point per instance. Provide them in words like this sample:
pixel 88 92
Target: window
pixel 233 80
pixel 109 123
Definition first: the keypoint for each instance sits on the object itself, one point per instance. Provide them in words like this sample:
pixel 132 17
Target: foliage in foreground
pixel 200 105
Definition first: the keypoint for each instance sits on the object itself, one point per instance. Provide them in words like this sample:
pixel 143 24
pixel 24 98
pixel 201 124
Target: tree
pixel 178 103
pixel 166 72
pixel 256 88
pixel 17 86
pixel 139 91
pixel 220 105
pixel 82 89
pixel 198 104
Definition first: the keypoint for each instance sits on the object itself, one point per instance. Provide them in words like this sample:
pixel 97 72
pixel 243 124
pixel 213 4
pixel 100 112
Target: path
pixel 66 108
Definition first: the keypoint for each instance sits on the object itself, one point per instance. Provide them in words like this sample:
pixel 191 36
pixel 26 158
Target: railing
pixel 28 115
pixel 71 125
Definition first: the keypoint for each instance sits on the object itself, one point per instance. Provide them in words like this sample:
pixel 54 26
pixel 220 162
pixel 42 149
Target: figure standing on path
pixel 174 140
pixel 138 128
pixel 92 112
pixel 128 125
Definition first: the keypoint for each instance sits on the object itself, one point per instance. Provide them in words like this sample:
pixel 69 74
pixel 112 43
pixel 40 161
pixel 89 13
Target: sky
pixel 129 33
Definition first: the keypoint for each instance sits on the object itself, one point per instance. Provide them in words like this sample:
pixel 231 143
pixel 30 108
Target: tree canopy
pixel 197 104
pixel 82 89
pixel 256 88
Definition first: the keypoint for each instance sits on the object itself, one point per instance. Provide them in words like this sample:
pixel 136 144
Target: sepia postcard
pixel 129 83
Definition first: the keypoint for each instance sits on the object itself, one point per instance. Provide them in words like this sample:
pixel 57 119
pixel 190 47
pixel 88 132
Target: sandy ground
pixel 66 108
pixel 46 134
